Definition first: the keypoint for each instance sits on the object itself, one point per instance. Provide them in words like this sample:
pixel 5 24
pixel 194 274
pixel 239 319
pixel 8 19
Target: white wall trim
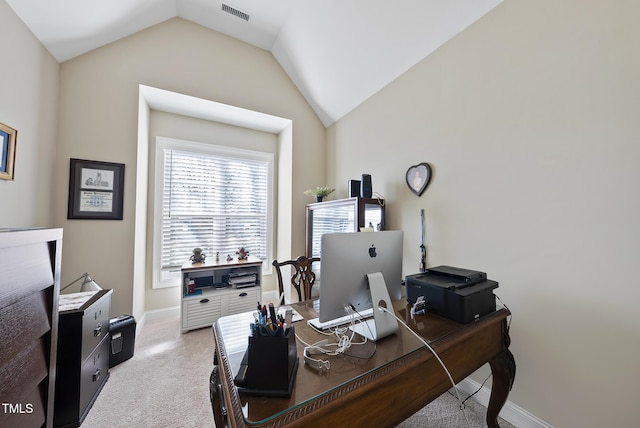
pixel 151 98
pixel 157 314
pixel 511 413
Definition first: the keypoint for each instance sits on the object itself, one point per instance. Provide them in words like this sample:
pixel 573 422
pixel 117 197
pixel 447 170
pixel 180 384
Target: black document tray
pixel 454 278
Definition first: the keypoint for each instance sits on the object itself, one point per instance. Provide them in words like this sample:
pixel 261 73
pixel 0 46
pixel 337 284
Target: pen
pixel 272 313
pixel 259 312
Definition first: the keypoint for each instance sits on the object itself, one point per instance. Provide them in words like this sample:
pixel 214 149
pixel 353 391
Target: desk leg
pixel 503 368
pixel 215 394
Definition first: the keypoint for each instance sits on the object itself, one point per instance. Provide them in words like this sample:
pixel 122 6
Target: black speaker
pixel 366 190
pixel 354 188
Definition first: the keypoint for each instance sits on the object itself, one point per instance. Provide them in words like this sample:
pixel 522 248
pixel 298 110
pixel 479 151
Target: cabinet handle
pixel 96 375
pixel 204 301
pixel 242 294
pixel 97 331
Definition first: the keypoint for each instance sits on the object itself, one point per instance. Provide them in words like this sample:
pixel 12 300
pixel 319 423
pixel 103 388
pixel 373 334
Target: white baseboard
pixel 157 314
pixel 511 413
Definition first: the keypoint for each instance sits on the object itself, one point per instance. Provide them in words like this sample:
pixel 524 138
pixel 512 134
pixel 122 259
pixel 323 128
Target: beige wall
pixel 529 120
pixel 99 102
pixel 28 103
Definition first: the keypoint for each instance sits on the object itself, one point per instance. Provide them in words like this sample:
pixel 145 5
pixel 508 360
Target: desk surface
pixel 357 387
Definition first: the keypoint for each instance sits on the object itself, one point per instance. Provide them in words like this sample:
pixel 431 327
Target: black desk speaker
pixel 366 191
pixel 354 188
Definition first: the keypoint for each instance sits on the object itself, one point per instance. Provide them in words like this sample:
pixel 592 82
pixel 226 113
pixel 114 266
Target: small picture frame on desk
pixel 96 190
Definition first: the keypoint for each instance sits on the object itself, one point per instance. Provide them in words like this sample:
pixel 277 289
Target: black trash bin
pixel 123 339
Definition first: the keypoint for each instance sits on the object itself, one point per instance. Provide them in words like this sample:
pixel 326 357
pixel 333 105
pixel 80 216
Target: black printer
pixel 461 295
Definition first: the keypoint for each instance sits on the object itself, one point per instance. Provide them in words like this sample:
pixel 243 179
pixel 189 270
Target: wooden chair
pixel 302 277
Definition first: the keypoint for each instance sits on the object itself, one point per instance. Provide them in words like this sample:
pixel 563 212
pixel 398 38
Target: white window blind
pixel 217 201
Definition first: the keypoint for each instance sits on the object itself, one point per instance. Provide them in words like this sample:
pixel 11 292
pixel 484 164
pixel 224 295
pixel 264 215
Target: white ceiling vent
pixel 235 12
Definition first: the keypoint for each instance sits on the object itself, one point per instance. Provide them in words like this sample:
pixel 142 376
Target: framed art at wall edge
pixel 8 137
pixel 95 190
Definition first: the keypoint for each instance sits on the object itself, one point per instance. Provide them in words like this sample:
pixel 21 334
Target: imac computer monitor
pixel 347 259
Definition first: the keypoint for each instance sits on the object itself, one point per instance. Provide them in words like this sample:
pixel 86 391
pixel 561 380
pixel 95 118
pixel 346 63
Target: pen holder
pixel 272 364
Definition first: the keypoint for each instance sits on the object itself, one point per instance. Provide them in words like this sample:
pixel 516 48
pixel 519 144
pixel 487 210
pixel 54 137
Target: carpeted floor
pixel 166 384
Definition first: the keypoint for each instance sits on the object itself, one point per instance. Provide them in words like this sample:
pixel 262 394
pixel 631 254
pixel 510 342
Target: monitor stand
pixel 382 324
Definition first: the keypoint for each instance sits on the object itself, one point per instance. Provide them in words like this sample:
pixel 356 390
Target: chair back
pixel 302 277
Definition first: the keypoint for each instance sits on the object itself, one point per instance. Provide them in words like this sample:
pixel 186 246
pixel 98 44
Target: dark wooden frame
pixel 417 187
pixel 95 197
pixel 302 276
pixel 359 206
pixel 30 264
pixel 8 151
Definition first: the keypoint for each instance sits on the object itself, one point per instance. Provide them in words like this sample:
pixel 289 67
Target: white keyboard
pixel 315 322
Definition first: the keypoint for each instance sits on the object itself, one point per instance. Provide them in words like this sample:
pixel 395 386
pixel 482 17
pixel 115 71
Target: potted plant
pixel 319 192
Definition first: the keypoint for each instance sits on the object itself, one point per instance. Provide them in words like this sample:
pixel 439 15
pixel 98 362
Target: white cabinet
pixel 218 288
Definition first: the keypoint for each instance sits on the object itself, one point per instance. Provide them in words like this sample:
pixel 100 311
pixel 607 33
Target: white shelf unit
pixel 214 298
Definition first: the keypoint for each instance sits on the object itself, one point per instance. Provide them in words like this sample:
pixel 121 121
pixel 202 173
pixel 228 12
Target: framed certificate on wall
pixel 95 190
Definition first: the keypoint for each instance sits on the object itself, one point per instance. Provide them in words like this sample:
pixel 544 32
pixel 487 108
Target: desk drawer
pixel 95 371
pixel 202 311
pixel 95 325
pixel 243 300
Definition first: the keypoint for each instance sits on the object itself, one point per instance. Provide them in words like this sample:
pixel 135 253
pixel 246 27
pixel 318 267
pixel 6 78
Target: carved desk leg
pixel 215 394
pixel 503 368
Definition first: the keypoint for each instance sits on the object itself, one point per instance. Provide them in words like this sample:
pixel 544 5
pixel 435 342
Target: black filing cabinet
pixel 83 358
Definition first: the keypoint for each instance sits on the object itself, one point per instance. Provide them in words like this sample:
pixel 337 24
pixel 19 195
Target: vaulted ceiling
pixel 337 52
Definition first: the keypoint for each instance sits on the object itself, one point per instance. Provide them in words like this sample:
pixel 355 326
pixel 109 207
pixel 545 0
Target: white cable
pixel 351 311
pixel 437 357
pixel 317 330
pixel 344 340
pixel 319 346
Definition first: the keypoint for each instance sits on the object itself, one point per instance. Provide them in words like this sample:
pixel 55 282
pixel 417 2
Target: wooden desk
pixel 398 380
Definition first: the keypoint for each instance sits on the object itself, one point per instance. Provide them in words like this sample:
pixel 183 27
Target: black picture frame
pixel 418 177
pixel 96 190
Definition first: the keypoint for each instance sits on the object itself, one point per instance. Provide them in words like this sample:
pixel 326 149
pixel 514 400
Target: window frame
pixel 163 143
